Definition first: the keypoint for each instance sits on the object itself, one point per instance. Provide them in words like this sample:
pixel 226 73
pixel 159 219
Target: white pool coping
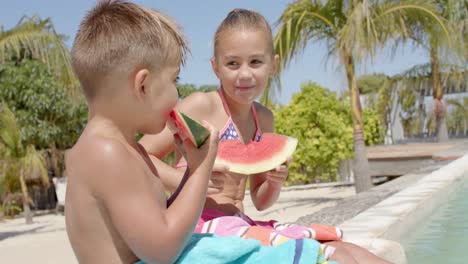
pixel 379 227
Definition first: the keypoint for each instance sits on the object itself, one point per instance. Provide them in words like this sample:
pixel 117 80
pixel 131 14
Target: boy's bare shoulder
pixel 265 117
pixel 97 158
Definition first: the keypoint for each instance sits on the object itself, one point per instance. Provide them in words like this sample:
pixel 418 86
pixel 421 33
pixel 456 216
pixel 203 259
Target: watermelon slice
pixel 255 157
pixel 186 127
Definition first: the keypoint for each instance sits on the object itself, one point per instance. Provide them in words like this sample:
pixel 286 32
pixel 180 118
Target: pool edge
pixel 379 227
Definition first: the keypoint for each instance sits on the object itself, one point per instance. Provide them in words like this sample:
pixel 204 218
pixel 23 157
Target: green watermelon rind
pixel 198 133
pixel 194 131
pixel 262 166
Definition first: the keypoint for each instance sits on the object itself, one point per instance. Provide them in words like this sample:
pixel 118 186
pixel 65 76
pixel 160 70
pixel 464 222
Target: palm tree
pixel 36 38
pixel 451 49
pixel 23 162
pixel 352 30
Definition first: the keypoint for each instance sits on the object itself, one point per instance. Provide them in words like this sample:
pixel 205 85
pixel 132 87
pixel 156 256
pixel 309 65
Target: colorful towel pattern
pixel 212 249
pixel 269 233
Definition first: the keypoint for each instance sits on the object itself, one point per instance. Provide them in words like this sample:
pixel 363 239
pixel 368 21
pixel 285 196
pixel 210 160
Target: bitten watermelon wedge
pixel 256 157
pixel 186 127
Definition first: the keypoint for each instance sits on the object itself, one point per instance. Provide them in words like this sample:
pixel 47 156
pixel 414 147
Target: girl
pixel 244 61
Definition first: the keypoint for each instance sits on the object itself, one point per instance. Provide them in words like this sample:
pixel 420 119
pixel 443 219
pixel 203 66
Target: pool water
pixel 443 237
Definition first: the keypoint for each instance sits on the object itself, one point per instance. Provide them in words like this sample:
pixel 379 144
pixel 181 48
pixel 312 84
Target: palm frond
pixel 372 25
pixel 302 22
pixel 430 24
pixel 456 103
pixel 456 13
pixel 37 38
pixel 417 71
pixel 10 134
pixel 419 77
pixel 34 165
pixel 361 33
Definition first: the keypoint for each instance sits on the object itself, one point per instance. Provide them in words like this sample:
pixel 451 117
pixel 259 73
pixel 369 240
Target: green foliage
pixel 371 83
pixel 10 193
pixel 457 118
pixel 383 104
pixel 323 127
pixel 10 183
pixel 208 87
pixel 373 129
pixel 10 205
pixel 33 37
pixel 20 162
pixel 185 90
pixel 409 111
pixel 352 31
pixel 45 113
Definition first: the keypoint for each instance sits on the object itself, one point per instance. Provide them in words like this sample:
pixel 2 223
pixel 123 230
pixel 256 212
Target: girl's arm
pixel 265 187
pixel 158 146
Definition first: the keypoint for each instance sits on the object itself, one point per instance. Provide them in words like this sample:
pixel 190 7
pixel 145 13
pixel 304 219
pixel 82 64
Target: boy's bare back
pixel 104 169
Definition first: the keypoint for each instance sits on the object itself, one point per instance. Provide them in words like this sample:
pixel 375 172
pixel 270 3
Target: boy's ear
pixel 214 65
pixel 141 83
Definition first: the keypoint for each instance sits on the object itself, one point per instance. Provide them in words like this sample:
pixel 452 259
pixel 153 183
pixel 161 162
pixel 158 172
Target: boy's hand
pixel 216 183
pixel 203 156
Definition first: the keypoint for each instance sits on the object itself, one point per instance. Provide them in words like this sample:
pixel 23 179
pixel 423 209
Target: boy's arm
pixel 265 187
pixel 136 203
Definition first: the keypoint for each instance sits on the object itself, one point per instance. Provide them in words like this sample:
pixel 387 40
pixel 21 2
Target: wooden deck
pixel 407 151
pixel 396 160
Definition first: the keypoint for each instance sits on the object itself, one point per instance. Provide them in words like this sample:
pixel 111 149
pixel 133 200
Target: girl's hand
pixel 279 175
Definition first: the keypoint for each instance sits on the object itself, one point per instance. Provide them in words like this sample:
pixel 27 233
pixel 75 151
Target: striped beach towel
pixel 269 233
pixel 213 249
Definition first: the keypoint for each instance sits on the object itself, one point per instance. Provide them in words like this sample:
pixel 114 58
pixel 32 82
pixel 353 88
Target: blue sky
pixel 199 20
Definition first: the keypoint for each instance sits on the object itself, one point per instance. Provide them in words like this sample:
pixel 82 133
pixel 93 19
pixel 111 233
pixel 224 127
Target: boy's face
pixel 244 63
pixel 160 98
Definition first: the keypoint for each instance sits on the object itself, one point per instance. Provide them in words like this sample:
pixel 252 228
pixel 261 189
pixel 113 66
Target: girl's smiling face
pixel 244 62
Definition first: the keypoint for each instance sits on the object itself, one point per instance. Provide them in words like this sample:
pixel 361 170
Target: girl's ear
pixel 214 65
pixel 275 65
pixel 140 83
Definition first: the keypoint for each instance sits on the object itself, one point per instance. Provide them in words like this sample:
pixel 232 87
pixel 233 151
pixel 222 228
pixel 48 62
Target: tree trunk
pixel 438 94
pixel 464 126
pixel 361 164
pixel 441 129
pixel 362 180
pixel 54 160
pixel 26 199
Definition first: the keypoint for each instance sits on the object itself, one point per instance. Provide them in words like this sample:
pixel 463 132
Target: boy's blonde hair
pixel 243 19
pixel 116 37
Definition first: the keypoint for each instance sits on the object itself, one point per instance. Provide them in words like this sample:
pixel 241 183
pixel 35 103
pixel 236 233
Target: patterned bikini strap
pixel 223 99
pixel 254 113
pixel 226 108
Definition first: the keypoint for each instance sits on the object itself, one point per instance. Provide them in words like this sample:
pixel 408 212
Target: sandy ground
pixel 45 241
pixel 293 204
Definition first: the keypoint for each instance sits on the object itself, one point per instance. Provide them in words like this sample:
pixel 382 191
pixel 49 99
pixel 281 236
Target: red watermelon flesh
pixel 187 127
pixel 256 157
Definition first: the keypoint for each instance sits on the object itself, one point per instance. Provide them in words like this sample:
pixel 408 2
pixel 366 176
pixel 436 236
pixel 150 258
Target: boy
pixel 127 60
